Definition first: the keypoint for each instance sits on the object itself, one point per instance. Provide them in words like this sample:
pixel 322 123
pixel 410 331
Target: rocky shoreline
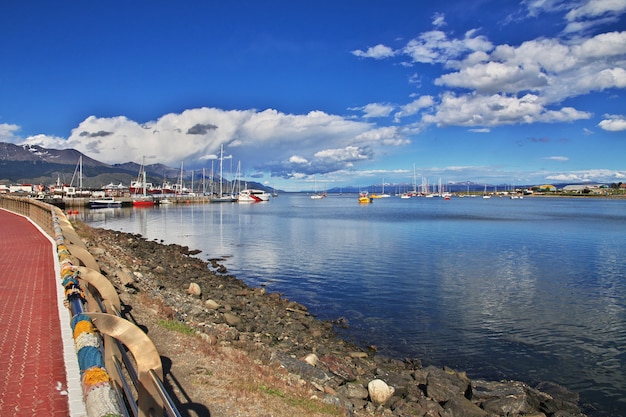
pixel 275 331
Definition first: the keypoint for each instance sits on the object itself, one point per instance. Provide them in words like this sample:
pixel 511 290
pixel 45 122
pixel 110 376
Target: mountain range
pixel 33 164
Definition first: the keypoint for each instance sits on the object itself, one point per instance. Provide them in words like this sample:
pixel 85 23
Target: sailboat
pixel 142 200
pixel 485 195
pixel 382 194
pixel 316 195
pixel 221 197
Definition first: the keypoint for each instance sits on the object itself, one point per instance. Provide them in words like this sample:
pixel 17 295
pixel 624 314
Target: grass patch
pixel 308 405
pixel 177 327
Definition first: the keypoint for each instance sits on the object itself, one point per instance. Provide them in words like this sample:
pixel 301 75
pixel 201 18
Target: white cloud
pixel 298 160
pixel 7 132
pixel 596 8
pixel 376 110
pixel 261 140
pixel 439 19
pixel 535 7
pixel 377 52
pixel 415 106
pixel 435 47
pixel 579 16
pixel 547 67
pixel 349 153
pixel 613 123
pixel 388 136
pixel 590 175
pixel 497 110
pixel 557 158
pixel 51 142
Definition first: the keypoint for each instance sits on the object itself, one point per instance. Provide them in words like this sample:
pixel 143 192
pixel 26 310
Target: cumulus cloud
pixel 613 123
pixel 379 51
pixel 45 141
pixel 525 83
pixel 415 106
pixel 261 140
pixel 8 132
pixel 497 110
pixel 376 110
pixel 549 68
pixel 436 47
pixel 387 135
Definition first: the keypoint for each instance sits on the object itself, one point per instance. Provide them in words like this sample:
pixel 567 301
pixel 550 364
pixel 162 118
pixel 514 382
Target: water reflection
pixel 530 289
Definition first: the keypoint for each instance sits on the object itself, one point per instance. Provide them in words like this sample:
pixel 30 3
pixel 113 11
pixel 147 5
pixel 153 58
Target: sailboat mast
pixel 80 175
pixel 221 163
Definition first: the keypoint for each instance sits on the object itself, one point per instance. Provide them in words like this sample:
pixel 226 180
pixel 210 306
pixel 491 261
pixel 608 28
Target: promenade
pixel 33 380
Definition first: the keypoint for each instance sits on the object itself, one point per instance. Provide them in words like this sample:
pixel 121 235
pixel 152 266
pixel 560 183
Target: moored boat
pixel 253 196
pixel 364 198
pixel 145 201
pixel 105 202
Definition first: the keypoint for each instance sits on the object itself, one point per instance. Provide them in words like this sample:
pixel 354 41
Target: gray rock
pixel 295 366
pixel 444 384
pixel 353 391
pixel 505 397
pixel 126 277
pixel 232 320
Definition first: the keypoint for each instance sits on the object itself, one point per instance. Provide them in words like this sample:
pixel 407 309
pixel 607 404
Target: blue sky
pixel 336 92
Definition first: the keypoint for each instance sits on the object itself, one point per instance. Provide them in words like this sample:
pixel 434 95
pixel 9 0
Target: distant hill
pixel 29 164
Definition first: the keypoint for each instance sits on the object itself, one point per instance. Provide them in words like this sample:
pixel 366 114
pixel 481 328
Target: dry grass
pixel 220 379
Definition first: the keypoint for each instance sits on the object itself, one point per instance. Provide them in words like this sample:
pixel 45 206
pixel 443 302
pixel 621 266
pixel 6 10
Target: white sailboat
pixel 485 195
pixel 317 195
pixel 221 197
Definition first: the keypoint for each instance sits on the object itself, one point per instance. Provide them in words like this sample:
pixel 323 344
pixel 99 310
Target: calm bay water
pixel 531 289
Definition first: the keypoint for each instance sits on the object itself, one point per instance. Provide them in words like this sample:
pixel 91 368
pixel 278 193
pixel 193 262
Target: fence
pixel 121 370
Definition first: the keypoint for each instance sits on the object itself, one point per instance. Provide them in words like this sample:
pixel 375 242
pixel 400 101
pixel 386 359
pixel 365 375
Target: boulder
pixel 194 289
pixel 353 391
pixel 379 391
pixel 211 304
pixel 444 384
pixel 232 320
pixel 504 398
pixel 311 359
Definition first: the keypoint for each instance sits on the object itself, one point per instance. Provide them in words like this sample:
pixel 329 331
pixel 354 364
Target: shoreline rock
pixel 274 330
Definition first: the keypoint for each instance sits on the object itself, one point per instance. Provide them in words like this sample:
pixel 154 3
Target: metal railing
pixel 130 359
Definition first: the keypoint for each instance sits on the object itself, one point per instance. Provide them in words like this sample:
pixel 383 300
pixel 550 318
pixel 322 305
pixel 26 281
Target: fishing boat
pixel 105 202
pixel 253 196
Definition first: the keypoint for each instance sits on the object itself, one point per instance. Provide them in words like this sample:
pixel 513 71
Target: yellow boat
pixel 364 198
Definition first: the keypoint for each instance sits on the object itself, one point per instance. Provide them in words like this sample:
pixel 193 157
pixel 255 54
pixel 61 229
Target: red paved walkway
pixel 32 368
